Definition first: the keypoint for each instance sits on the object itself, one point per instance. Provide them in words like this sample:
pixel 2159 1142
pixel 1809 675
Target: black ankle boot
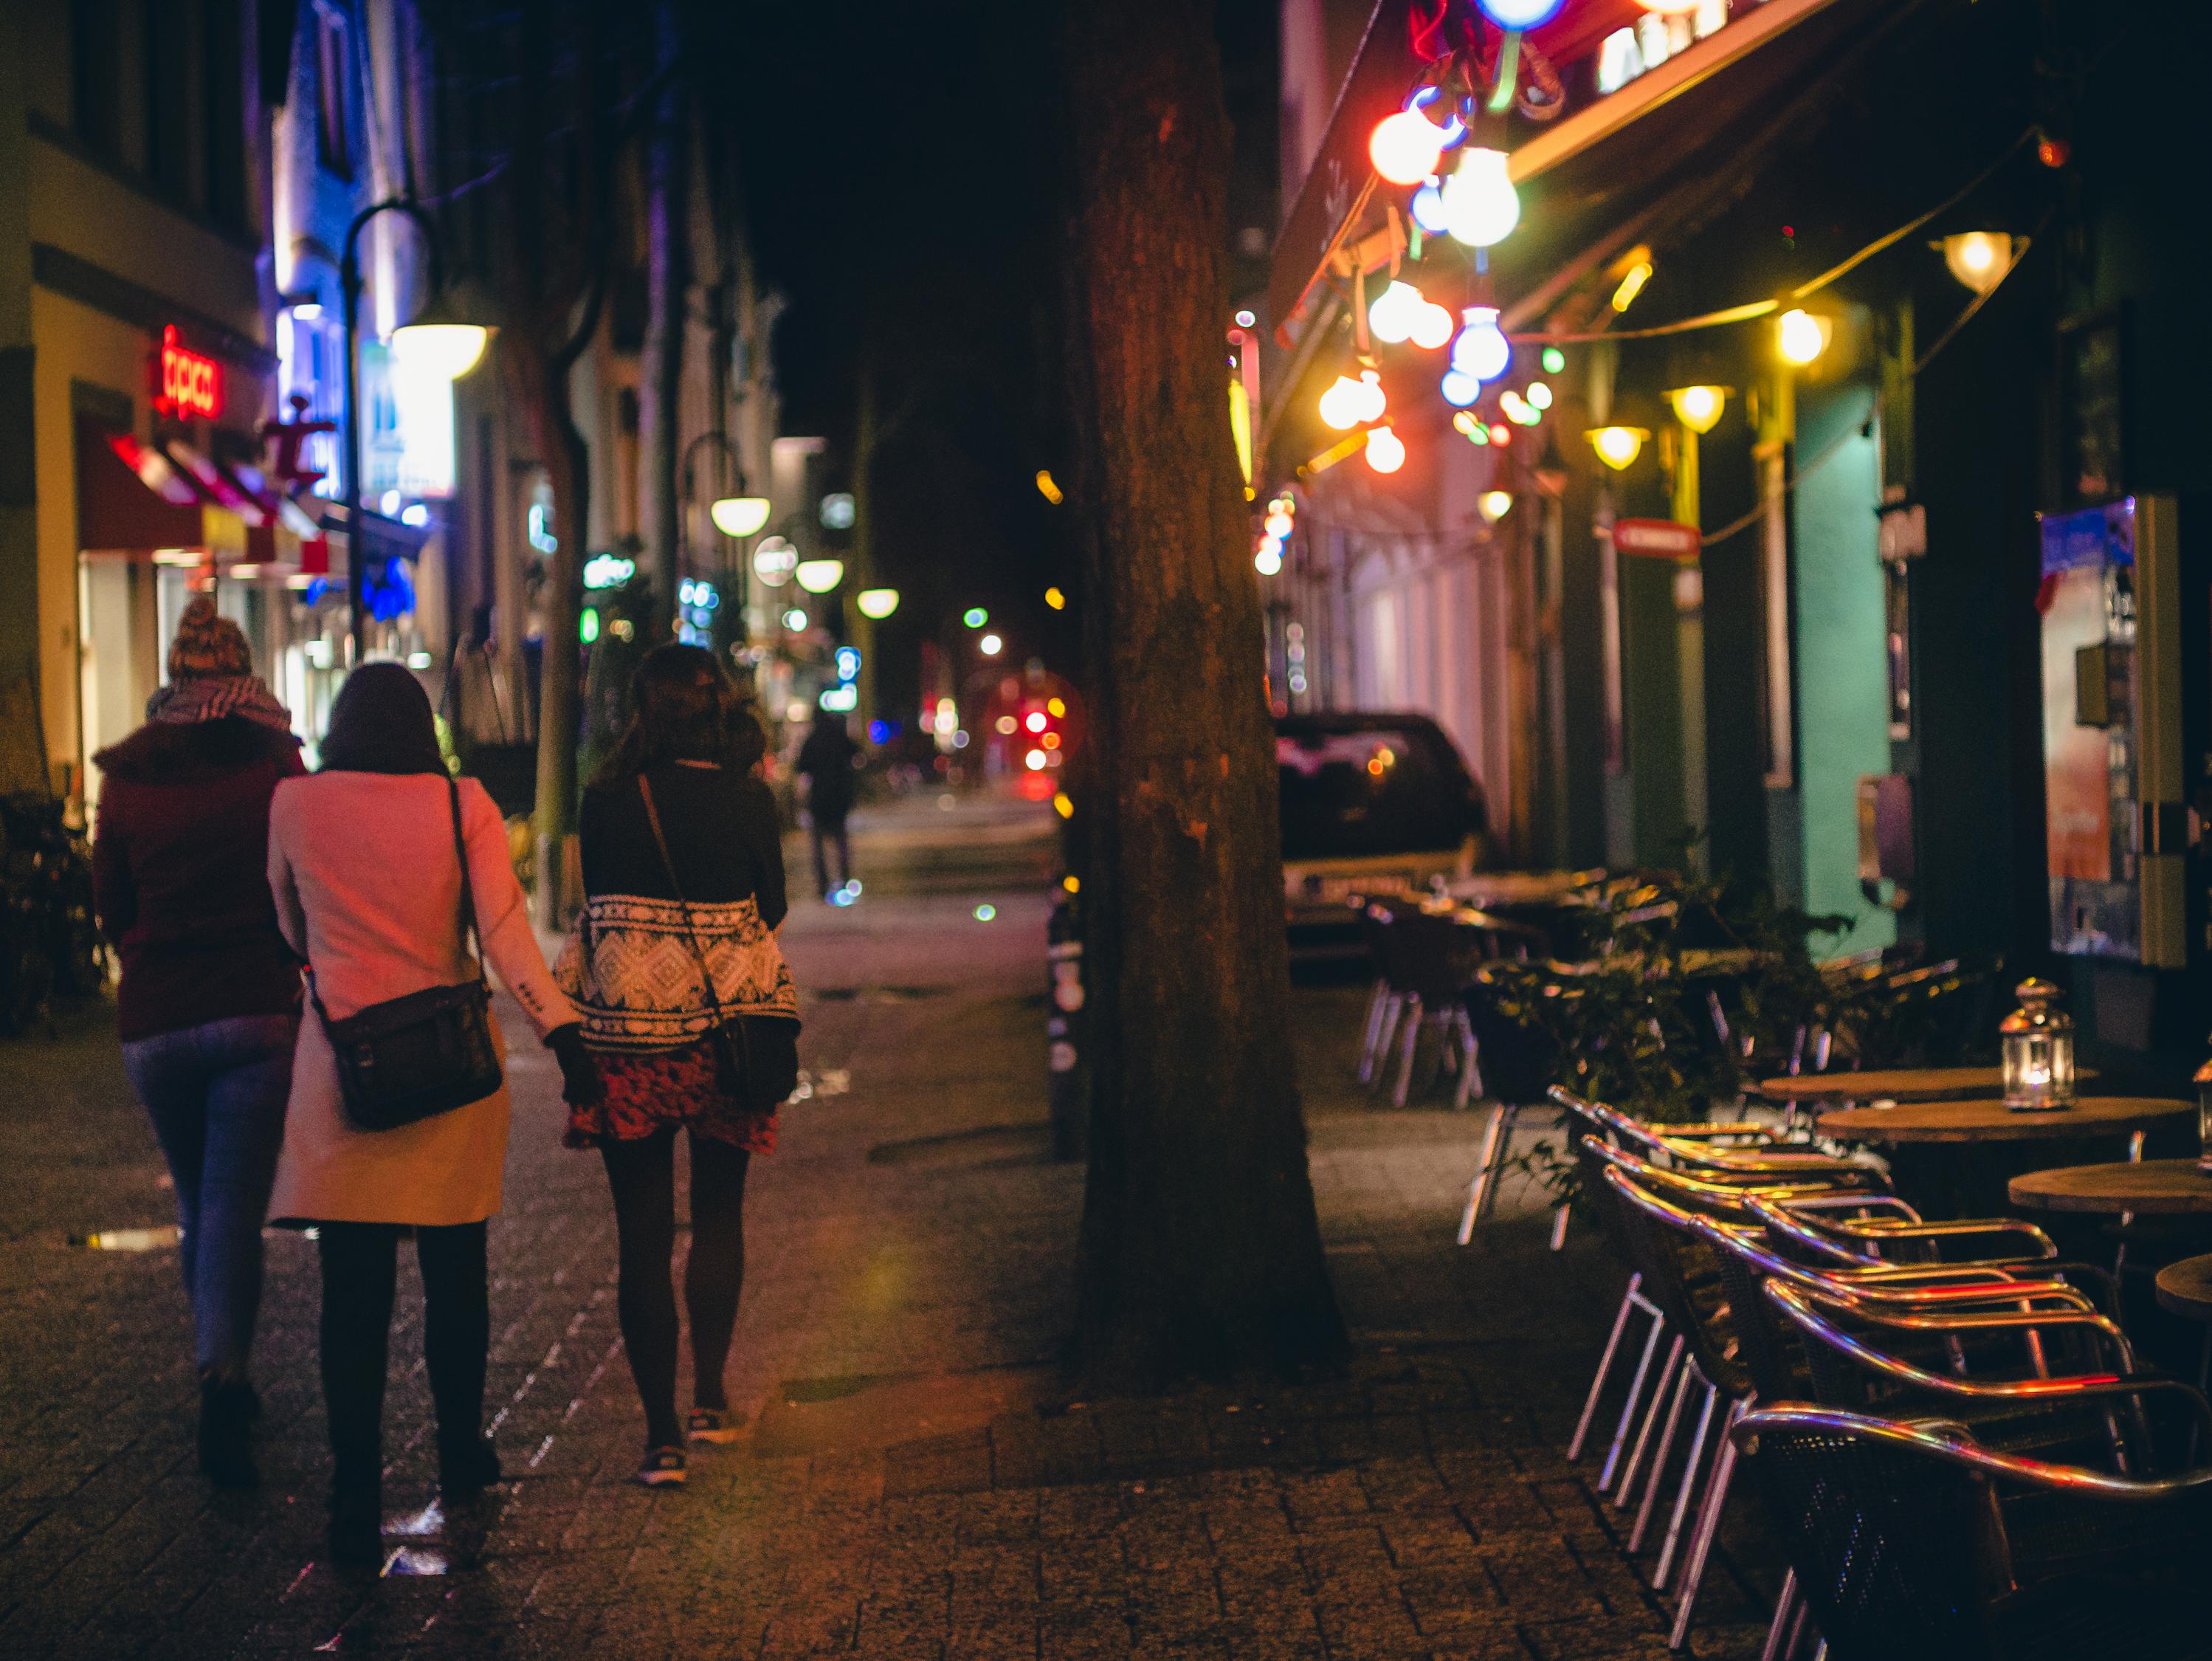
pixel 228 1409
pixel 357 1522
pixel 466 1470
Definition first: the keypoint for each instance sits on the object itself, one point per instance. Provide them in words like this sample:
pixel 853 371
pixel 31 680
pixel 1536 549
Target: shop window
pixel 312 363
pixel 333 79
pixel 166 33
pixel 96 74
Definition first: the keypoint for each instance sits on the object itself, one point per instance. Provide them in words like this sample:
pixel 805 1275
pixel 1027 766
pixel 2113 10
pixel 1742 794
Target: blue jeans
pixel 215 1094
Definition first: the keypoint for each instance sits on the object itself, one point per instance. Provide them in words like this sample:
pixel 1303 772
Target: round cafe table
pixel 2168 1188
pixel 1958 1158
pixel 2184 1288
pixel 1911 1084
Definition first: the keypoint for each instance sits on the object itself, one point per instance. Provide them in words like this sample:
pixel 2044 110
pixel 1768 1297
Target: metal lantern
pixel 2038 1051
pixel 2204 1116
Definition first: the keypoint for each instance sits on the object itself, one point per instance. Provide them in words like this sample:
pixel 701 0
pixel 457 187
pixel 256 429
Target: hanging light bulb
pixel 1539 395
pixel 1979 259
pixel 1495 504
pixel 1405 146
pixel 1471 427
pixel 1801 337
pixel 1386 451
pixel 1482 349
pixel 1618 447
pixel 1520 14
pixel 1340 404
pixel 1390 319
pixel 1278 524
pixel 1698 408
pixel 1368 391
pixel 1481 207
pixel 1432 326
pixel 1428 207
pixel 1460 388
pixel 1267 560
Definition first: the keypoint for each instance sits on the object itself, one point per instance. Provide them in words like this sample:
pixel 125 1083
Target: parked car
pixel 1373 802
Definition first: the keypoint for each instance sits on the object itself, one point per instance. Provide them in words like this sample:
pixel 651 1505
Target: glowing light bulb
pixel 1340 403
pixel 1618 447
pixel 990 646
pixel 1554 360
pixel 1799 337
pixel 1460 388
pixel 877 604
pixel 1271 545
pixel 1698 408
pixel 1471 429
pixel 1979 259
pixel 819 576
pixel 1432 326
pixel 1482 349
pixel 1265 564
pixel 1277 524
pixel 1428 209
pixel 1539 395
pixel 739 516
pixel 1390 319
pixel 1495 504
pixel 1481 207
pixel 1386 451
pixel 1520 14
pixel 1404 147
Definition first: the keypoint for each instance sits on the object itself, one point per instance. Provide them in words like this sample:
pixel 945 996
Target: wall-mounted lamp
pixel 1698 408
pixel 1617 446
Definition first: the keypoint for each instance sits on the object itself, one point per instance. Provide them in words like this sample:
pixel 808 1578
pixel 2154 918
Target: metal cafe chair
pixel 1912 1541
pixel 1375 916
pixel 1423 961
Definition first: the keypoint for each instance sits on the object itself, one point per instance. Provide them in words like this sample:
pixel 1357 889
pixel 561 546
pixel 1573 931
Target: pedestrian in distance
pixel 379 863
pixel 209 1005
pixel 826 761
pixel 691 1015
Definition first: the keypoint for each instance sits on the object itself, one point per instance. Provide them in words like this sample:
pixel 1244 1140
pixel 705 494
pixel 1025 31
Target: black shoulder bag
pixel 412 1058
pixel 755 1057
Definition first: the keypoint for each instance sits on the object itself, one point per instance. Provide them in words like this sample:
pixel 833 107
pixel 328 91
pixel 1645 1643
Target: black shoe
pixel 357 1525
pixel 467 1472
pixel 228 1407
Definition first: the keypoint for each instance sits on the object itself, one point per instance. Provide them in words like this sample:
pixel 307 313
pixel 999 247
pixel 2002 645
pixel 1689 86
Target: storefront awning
pixel 131 498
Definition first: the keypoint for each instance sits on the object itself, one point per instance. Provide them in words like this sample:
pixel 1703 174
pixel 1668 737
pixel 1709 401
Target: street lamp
pixel 438 341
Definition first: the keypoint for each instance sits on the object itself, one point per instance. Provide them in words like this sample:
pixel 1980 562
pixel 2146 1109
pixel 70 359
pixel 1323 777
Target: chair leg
pixel 1470 1074
pixel 1604 1363
pixel 1709 1523
pixel 1636 1385
pixel 1559 1227
pixel 1507 1121
pixel 1482 1192
pixel 1784 1606
pixel 1691 1469
pixel 1394 1007
pixel 1412 1020
pixel 1376 1005
pixel 1655 1477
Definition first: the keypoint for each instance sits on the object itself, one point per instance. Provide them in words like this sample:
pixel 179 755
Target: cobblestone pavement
pixel 919 1484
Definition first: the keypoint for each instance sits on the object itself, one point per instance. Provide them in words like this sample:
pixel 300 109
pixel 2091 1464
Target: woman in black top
pixel 638 967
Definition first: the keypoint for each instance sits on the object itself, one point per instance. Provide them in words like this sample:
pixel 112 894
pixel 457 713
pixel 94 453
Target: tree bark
pixel 1201 1250
pixel 660 414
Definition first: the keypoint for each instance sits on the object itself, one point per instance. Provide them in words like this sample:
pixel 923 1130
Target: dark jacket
pixel 723 833
pixel 826 758
pixel 180 873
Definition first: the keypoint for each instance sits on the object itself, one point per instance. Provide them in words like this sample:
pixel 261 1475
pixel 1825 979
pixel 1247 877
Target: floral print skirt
pixel 665 1089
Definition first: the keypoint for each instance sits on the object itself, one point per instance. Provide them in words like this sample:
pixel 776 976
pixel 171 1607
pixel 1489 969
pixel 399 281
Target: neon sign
pixel 190 385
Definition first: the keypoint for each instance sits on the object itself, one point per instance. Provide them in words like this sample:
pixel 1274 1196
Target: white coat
pixel 368 890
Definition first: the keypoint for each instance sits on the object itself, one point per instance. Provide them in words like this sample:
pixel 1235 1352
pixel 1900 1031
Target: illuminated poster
pixel 2087 602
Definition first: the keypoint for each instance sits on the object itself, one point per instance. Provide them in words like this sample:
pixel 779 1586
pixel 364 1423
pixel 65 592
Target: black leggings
pixel 359 1266
pixel 643 1174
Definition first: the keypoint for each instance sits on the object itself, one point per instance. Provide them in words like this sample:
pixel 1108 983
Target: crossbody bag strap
pixel 468 889
pixel 690 930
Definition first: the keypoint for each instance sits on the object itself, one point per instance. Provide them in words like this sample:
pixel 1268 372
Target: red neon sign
pixel 190 385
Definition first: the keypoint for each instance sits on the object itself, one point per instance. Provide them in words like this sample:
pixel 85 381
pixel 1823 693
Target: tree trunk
pixel 660 414
pixel 1201 1250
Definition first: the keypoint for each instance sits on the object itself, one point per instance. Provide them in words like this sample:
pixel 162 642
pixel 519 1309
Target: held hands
pixel 579 1075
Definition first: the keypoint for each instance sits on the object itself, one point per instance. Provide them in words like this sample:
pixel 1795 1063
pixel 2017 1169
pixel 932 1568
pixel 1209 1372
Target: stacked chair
pixel 1781 1275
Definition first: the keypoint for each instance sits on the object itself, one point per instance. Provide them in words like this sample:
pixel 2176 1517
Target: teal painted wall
pixel 1842 705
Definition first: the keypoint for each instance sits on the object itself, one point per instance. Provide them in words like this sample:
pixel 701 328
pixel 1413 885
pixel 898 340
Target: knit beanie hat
pixel 208 644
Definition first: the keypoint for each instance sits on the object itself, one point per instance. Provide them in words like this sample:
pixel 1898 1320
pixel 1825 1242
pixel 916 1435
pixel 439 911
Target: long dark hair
pixel 684 706
pixel 381 723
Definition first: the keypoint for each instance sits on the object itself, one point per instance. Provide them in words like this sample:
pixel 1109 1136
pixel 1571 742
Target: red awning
pixel 131 499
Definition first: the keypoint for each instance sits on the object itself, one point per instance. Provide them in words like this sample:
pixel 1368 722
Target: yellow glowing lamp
pixel 1698 408
pixel 1055 598
pixel 1802 335
pixel 1618 447
pixel 1495 504
pixel 819 576
pixel 877 604
pixel 1632 285
pixel 440 341
pixel 739 516
pixel 1979 259
pixel 1240 433
pixel 1386 451
pixel 1063 804
pixel 1048 487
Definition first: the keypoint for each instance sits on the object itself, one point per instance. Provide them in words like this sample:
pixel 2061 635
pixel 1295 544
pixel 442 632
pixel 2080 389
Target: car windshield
pixel 1353 792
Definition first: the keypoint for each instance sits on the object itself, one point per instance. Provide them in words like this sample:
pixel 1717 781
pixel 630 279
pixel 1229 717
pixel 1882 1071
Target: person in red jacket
pixel 208 1007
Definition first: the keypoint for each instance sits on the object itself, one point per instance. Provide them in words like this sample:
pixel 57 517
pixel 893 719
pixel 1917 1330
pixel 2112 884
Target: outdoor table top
pixel 2166 1186
pixel 1913 1084
pixel 2185 1288
pixel 1991 1121
pixel 1512 887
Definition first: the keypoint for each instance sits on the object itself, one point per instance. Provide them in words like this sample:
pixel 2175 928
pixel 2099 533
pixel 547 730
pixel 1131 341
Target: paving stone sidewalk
pixel 919 1484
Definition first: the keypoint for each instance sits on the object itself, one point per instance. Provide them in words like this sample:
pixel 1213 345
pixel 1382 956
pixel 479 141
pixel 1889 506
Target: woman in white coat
pixel 367 884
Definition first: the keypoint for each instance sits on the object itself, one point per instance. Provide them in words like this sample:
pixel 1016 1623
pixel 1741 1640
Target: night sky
pixel 904 175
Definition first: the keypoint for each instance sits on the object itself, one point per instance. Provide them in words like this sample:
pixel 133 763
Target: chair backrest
pixel 1899 1552
pixel 1421 955
pixel 1684 1274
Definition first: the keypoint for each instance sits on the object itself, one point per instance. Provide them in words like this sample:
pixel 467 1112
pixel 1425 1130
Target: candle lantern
pixel 2038 1041
pixel 2204 1117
